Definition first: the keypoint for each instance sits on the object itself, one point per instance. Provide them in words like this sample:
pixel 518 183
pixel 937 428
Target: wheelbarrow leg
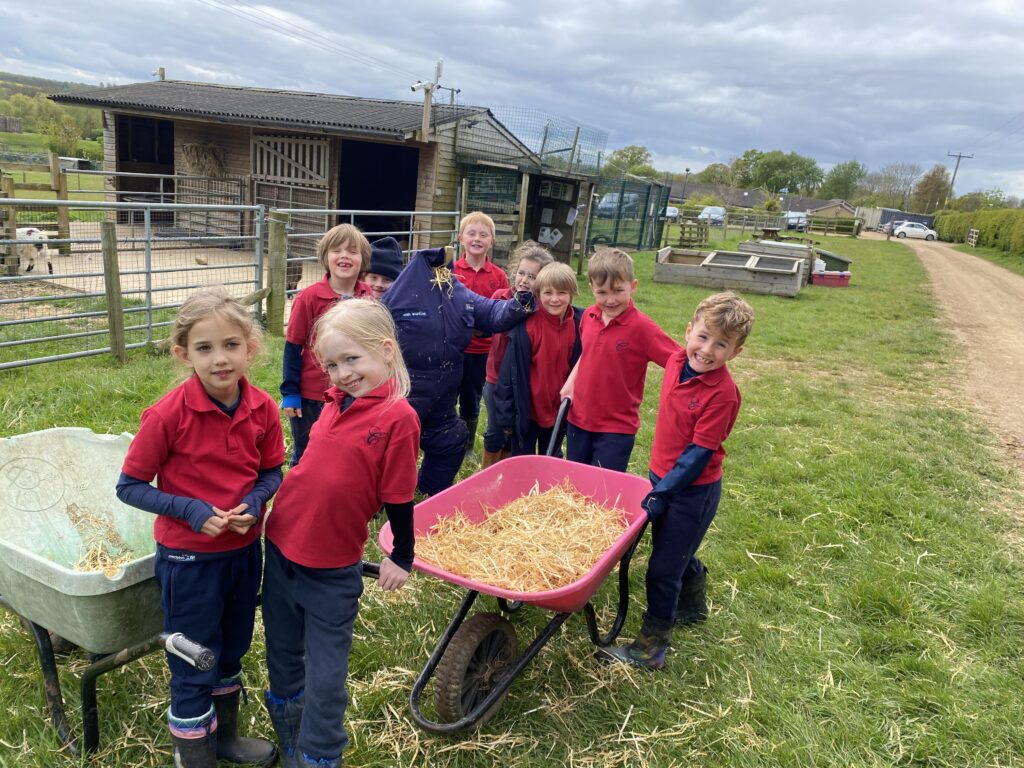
pixel 51 687
pixel 620 614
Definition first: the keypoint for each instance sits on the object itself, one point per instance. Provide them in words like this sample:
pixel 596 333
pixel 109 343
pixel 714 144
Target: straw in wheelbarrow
pixel 102 547
pixel 538 542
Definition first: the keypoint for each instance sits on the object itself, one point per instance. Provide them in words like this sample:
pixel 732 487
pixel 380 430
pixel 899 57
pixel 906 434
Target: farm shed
pixel 318 151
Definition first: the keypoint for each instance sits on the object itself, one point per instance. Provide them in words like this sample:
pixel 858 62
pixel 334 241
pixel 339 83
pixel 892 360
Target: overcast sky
pixel 695 82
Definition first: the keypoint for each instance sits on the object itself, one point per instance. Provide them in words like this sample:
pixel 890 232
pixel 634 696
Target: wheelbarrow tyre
pixel 484 646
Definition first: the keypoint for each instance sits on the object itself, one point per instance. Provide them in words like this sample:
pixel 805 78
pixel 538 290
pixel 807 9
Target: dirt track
pixel 984 305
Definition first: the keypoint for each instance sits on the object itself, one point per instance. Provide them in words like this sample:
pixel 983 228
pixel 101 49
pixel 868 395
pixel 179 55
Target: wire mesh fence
pixel 54 290
pixel 628 213
pixel 557 142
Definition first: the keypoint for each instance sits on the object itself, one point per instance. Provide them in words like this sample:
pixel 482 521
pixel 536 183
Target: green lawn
pixel 35 143
pixel 865 571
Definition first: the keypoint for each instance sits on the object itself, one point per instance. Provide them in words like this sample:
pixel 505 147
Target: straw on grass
pixel 538 542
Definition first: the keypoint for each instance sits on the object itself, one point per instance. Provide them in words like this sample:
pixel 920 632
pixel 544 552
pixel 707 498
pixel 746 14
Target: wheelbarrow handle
pixel 371 570
pixel 563 411
pixel 198 656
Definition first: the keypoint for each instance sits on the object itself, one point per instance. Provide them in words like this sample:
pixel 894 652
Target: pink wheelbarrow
pixel 477 659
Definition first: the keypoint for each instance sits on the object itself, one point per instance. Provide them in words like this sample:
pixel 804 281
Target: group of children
pixel 372 374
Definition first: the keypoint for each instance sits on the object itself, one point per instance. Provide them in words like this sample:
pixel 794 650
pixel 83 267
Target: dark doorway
pixel 378 177
pixel 145 145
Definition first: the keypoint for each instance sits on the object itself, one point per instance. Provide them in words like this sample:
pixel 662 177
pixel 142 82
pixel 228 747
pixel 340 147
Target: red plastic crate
pixel 831 279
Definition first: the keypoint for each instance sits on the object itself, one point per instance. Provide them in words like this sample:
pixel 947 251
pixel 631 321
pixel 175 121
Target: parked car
pixel 889 226
pixel 914 229
pixel 796 220
pixel 608 207
pixel 671 213
pixel 713 214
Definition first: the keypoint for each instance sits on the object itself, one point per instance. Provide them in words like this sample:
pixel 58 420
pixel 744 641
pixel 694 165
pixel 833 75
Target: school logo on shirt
pixel 694 404
pixel 375 435
pixel 620 345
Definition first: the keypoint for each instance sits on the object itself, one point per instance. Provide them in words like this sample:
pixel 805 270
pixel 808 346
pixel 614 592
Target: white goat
pixel 29 252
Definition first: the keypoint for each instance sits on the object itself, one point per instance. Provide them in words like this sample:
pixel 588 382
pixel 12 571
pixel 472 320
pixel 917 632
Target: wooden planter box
pixel 752 273
pixel 793 250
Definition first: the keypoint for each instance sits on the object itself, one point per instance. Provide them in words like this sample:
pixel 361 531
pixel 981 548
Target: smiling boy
pixel 607 384
pixel 696 412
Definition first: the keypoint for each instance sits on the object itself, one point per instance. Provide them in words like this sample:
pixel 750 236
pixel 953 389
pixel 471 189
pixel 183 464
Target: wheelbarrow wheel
pixel 479 654
pixel 509 606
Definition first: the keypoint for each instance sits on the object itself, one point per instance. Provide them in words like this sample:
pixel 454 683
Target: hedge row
pixel 1002 229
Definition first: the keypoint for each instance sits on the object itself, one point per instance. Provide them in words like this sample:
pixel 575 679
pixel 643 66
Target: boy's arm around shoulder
pixel 660 346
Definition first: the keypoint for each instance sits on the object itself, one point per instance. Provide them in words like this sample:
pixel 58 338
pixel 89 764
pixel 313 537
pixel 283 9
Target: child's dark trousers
pixel 311 410
pixel 600 449
pixel 675 537
pixel 308 615
pixel 211 598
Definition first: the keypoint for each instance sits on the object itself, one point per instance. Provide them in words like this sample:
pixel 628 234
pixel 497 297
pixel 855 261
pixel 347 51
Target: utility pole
pixel 959 156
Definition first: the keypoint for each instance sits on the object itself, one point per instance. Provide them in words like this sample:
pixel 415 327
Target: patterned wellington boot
pixel 647 650
pixel 286 717
pixel 194 740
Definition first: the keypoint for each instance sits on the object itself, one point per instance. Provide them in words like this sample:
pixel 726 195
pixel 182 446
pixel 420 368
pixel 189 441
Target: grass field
pixel 35 143
pixel 865 571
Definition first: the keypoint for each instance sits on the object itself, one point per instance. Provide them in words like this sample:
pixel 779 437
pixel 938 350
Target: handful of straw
pixel 102 547
pixel 538 542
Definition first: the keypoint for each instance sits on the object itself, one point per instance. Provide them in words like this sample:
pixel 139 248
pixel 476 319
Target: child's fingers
pixel 239 510
pixel 222 513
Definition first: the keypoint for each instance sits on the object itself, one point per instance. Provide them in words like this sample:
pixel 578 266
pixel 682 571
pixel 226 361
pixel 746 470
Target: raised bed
pixel 752 273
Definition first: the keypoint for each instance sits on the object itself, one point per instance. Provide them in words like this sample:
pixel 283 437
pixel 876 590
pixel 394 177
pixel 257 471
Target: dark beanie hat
pixel 387 258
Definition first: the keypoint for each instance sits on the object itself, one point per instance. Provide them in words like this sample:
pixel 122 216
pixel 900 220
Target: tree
pixel 895 182
pixel 61 135
pixel 777 170
pixel 930 190
pixel 978 200
pixel 626 159
pixel 842 180
pixel 716 173
pixel 742 167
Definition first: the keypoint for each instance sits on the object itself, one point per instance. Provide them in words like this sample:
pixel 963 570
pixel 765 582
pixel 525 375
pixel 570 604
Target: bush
pixel 1002 228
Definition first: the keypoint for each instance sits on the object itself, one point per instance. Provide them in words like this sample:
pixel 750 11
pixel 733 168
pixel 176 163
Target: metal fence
pixel 115 281
pixel 119 274
pixel 628 213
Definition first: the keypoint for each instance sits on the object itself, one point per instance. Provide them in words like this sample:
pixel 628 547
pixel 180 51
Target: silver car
pixel 914 229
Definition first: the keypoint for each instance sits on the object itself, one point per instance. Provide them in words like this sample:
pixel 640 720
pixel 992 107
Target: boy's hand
pixel 391 577
pixel 566 390
pixel 655 505
pixel 293 413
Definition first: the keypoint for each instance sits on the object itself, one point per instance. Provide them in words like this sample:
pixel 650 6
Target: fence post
pixel 9 230
pixel 112 287
pixel 277 264
pixel 59 182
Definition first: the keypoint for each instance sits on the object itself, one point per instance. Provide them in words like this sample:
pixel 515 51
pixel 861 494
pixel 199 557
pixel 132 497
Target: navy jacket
pixel 512 393
pixel 435 323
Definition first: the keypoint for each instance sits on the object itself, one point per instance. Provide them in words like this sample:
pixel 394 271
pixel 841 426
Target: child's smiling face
pixel 477 241
pixel 344 263
pixel 353 368
pixel 707 348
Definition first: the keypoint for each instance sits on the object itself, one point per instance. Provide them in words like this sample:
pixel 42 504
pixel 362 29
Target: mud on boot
pixel 647 650
pixel 194 740
pixel 286 717
pixel 692 605
pixel 231 747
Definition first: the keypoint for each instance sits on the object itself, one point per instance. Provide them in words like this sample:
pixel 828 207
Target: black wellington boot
pixel 692 605
pixel 647 651
pixel 231 747
pixel 195 753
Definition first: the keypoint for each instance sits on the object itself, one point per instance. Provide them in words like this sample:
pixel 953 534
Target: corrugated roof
pixel 326 112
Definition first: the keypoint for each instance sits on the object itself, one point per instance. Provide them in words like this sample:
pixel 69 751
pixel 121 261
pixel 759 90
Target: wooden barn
pixel 289 149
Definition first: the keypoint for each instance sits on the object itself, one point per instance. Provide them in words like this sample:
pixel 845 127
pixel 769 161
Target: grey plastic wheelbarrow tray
pixel 41 475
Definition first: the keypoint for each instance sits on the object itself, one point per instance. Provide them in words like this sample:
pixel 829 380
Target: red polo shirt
pixel 311 302
pixel 701 411
pixel 499 343
pixel 551 339
pixel 194 449
pixel 613 367
pixel 484 281
pixel 355 462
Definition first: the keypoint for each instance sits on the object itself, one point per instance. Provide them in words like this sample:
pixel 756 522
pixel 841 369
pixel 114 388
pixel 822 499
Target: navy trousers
pixel 495 438
pixel 474 374
pixel 443 435
pixel 212 600
pixel 537 440
pixel 675 537
pixel 600 449
pixel 311 410
pixel 308 615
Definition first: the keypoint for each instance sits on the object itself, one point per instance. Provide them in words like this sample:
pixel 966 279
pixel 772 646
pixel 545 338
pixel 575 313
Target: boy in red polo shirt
pixel 344 253
pixel 697 409
pixel 541 353
pixel 478 273
pixel 607 384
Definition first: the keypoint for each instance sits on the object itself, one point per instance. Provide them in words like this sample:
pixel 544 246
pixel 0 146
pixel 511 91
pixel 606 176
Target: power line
pixel 994 131
pixel 308 35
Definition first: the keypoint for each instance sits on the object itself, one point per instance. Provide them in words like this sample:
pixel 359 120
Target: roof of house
pixel 811 204
pixel 265 106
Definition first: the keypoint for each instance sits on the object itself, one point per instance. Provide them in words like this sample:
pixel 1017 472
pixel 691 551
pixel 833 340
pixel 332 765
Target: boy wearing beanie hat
pixel 386 262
